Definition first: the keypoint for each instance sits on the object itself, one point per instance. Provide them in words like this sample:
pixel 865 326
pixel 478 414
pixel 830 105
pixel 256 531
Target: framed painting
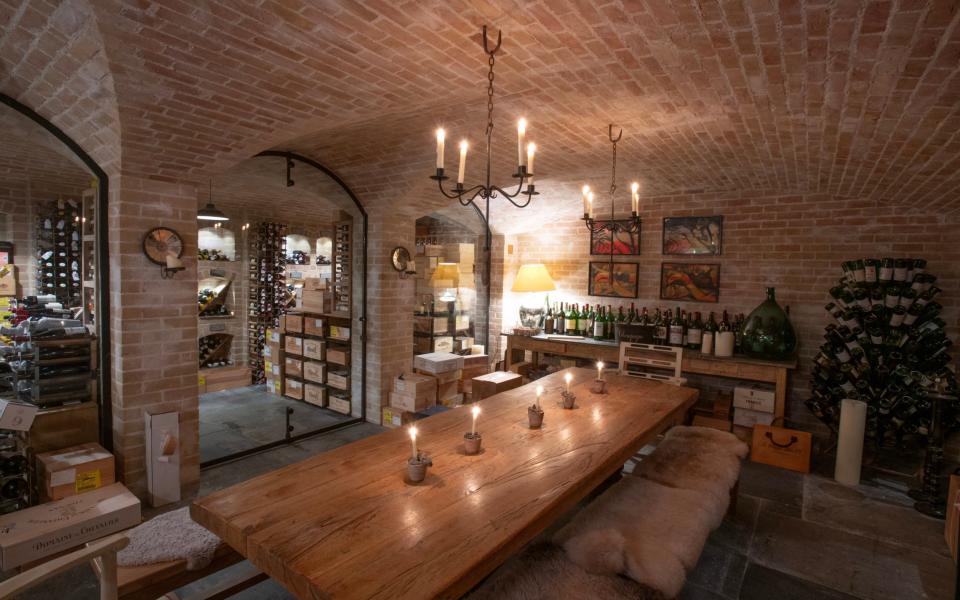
pixel 614 280
pixel 621 243
pixel 690 282
pixel 701 236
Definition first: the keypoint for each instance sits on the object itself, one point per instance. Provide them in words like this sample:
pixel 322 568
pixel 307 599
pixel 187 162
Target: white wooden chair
pixel 650 361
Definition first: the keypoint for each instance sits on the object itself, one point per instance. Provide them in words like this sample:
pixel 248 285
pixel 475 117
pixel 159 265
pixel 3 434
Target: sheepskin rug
pixel 649 532
pixel 170 536
pixel 696 458
pixel 542 572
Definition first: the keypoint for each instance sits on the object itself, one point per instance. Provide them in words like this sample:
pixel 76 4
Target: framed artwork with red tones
pixel 623 243
pixel 690 282
pixel 614 280
pixel 702 236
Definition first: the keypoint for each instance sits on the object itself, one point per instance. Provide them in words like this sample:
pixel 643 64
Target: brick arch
pixel 52 59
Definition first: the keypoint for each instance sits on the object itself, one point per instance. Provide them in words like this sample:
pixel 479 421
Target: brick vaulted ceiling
pixel 848 97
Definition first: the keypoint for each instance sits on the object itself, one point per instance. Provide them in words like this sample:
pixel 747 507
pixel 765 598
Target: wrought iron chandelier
pixel 613 225
pixel 486 190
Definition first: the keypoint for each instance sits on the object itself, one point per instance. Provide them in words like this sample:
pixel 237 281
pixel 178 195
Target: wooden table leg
pixel 780 394
pixel 508 361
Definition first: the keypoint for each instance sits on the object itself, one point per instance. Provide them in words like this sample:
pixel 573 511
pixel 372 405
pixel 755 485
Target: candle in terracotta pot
pixel 539 393
pixel 413 441
pixel 600 370
pixel 475 411
pixel 567 379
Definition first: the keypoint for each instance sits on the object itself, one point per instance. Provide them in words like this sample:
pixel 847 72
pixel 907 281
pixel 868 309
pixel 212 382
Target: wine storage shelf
pixel 268 294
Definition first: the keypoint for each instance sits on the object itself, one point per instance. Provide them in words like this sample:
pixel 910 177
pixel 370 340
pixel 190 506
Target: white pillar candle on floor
pixel 853 419
pixel 725 343
pixel 706 345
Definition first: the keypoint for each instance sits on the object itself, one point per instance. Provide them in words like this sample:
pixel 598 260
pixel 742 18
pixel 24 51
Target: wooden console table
pixel 736 367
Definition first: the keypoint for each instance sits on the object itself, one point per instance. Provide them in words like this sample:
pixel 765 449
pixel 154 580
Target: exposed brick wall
pixel 794 243
pixel 153 324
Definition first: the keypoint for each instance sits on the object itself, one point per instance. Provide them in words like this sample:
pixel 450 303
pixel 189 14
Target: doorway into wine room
pixel 281 300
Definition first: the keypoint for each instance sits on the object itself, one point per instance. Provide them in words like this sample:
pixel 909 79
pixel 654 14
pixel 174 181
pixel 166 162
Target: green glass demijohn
pixel 767 332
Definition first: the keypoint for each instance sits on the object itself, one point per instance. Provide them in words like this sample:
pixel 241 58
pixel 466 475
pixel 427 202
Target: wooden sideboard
pixel 736 367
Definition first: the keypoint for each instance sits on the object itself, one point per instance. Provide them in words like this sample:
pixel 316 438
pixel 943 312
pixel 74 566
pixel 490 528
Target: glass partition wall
pixel 280 299
pixel 53 337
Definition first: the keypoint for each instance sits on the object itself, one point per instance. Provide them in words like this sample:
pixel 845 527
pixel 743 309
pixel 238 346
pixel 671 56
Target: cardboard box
pixel 273 369
pixel 338 355
pixel 291 323
pixel 315 301
pixel 273 336
pixel 275 386
pixel 293 389
pixel 723 405
pixel 338 380
pixel 313 326
pixel 162 458
pixel 433 250
pixel 438 362
pixel 745 417
pixel 315 349
pixel 293 366
pixel 755 396
pixel 314 284
pixel 16 416
pixel 40 531
pixel 8 281
pixel 441 378
pixel 445 391
pixel 452 401
pixel 293 345
pixel 494 383
pixel 422 345
pixel 476 360
pixel 314 371
pixel 74 470
pixel 443 343
pixel 712 422
pixel 339 404
pixel 412 403
pixel 463 322
pixel 273 351
pixel 395 417
pixel 315 394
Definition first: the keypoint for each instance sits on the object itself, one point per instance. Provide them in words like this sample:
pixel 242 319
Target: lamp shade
pixel 533 278
pixel 446 272
pixel 211 213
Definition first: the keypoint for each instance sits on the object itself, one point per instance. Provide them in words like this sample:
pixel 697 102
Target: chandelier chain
pixel 490 97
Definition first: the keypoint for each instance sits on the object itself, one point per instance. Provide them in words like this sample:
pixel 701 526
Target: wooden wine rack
pixel 220 352
pixel 342 267
pixel 268 291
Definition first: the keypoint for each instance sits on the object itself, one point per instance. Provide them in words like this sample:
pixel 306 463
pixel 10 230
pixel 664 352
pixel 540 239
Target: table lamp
pixel 447 277
pixel 532 279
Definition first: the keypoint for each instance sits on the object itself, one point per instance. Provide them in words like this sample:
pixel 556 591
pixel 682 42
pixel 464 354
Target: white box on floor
pixel 438 362
pixel 755 396
pixel 748 418
pixel 163 457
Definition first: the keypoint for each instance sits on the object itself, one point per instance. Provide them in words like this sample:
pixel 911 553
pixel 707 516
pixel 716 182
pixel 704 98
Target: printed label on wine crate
pixel 338 332
pixel 338 380
pixel 314 371
pixel 293 389
pixel 294 345
pixel 291 323
pixel 341 405
pixel 294 367
pixel 313 326
pixel 315 349
pixel 315 394
pixel 273 336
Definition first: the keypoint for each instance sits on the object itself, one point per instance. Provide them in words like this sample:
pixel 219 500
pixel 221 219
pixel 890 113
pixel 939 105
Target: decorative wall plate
pixel 400 257
pixel 160 242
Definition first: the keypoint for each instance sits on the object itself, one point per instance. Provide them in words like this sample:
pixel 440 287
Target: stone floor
pixel 792 537
pixel 235 420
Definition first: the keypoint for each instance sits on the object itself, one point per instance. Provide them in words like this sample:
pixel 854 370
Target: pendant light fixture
pixel 211 212
pixel 613 226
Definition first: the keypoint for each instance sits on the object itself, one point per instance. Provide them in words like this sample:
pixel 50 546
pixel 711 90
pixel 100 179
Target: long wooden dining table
pixel 347 524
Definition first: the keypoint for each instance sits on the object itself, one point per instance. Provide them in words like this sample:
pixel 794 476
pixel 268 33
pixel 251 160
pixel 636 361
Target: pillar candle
pixel 441 135
pixel 600 370
pixel 531 151
pixel 475 411
pixel 586 192
pixel 590 205
pixel 853 418
pixel 706 345
pixel 635 196
pixel 539 393
pixel 724 344
pixel 413 441
pixel 463 160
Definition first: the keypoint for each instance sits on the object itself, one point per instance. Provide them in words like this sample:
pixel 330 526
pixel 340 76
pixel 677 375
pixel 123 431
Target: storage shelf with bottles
pixel 60 251
pixel 342 269
pixel 53 372
pixel 268 295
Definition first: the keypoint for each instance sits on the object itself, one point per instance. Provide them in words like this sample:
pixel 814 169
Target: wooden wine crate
pixel 291 323
pixel 438 362
pixel 273 351
pixel 226 378
pixel 293 345
pixel 339 333
pixel 415 384
pixel 314 371
pixel 340 381
pixel 293 366
pixel 392 417
pixel 445 377
pixel 339 404
pixel 485 386
pixel 443 343
pixel 315 394
pixel 293 389
pixel 338 356
pixel 314 349
pixel 313 325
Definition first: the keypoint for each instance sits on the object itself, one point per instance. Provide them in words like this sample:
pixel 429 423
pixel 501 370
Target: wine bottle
pixel 611 323
pixel 570 320
pixel 676 330
pixel 548 321
pixel 584 321
pixel 695 333
pixel 598 324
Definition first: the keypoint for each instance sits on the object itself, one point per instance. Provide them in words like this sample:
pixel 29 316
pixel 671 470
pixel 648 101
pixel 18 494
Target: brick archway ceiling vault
pixel 851 98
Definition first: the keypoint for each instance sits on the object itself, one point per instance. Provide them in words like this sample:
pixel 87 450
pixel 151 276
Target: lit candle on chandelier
pixel 600 370
pixel 475 411
pixel 590 204
pixel 463 161
pixel 521 133
pixel 531 151
pixel 413 441
pixel 586 194
pixel 635 191
pixel 441 135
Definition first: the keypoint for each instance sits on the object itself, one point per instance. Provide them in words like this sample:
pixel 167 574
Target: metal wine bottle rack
pixel 342 244
pixel 15 473
pixel 59 233
pixel 268 290
pixel 74 382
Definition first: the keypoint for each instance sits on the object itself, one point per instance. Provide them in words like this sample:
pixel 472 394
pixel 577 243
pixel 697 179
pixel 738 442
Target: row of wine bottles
pixel 680 328
pixel 268 290
pixel 58 251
